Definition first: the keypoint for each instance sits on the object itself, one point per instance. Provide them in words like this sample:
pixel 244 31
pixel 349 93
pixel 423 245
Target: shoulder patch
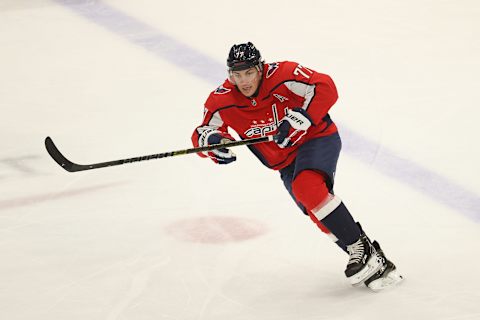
pixel 221 90
pixel 272 67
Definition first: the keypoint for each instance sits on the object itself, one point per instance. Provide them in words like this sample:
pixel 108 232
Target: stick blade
pixel 58 156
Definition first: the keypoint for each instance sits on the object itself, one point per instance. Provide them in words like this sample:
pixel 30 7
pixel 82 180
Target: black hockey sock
pixel 340 222
pixel 341 245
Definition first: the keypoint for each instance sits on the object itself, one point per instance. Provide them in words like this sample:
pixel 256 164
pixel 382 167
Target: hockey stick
pixel 73 167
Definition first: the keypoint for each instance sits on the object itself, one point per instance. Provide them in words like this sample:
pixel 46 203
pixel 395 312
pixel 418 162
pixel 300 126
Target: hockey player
pixel 291 102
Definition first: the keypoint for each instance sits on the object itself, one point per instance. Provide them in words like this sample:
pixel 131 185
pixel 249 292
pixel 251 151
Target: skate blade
pixel 392 279
pixel 373 265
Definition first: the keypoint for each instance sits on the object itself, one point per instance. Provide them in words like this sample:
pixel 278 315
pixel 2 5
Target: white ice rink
pixel 182 238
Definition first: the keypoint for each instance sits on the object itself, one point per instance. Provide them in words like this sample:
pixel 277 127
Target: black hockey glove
pixel 293 127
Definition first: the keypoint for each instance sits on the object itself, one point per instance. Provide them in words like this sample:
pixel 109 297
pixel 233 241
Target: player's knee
pixel 310 189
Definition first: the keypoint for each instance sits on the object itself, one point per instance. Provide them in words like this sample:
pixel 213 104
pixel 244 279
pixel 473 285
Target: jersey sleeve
pixel 318 90
pixel 212 123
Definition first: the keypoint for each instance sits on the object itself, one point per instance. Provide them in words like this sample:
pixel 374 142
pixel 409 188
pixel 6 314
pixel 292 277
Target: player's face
pixel 247 81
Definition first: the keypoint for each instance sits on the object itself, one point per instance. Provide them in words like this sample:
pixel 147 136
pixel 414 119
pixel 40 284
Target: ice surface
pixel 181 238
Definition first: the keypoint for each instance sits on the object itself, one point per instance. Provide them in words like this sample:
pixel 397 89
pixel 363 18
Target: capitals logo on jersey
pixel 221 90
pixel 272 67
pixel 263 127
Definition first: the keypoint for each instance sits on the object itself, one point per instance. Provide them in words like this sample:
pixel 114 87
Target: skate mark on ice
pixel 18 165
pixel 138 285
pixel 51 196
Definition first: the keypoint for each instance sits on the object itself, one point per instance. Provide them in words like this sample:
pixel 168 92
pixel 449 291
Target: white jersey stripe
pixel 303 90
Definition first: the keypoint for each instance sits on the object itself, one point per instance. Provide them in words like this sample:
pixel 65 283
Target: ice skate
pixel 388 275
pixel 364 261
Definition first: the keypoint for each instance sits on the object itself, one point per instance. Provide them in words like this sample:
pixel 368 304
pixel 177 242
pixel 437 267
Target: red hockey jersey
pixel 285 85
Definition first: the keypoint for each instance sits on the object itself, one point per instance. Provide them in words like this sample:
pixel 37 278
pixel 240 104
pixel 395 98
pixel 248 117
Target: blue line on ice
pixel 191 60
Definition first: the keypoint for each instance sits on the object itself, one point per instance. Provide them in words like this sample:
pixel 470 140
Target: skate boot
pixel 388 275
pixel 364 261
